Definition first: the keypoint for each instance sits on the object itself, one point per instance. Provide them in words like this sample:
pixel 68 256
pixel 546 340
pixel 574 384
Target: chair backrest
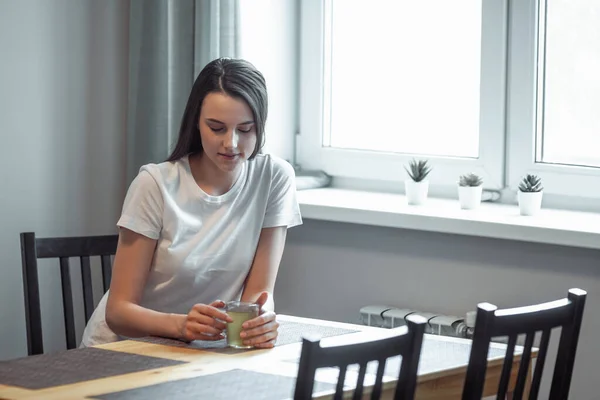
pixel 407 343
pixel 490 322
pixel 32 249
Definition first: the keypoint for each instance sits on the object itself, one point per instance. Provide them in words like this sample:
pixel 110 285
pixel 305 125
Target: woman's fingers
pixel 206 320
pixel 217 304
pixel 263 319
pixel 263 338
pixel 260 330
pixel 196 331
pixel 212 312
pixel 266 345
pixel 204 329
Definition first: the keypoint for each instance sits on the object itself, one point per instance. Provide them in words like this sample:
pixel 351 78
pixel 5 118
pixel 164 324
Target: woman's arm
pixel 265 265
pixel 126 317
pixel 262 331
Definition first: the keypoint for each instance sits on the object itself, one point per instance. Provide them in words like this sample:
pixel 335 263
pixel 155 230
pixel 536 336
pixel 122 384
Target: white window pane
pixel 405 76
pixel 571 97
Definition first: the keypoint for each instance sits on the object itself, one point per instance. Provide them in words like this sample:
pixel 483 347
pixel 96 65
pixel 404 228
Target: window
pixel 554 125
pixel 384 84
pixel 569 87
pixel 385 81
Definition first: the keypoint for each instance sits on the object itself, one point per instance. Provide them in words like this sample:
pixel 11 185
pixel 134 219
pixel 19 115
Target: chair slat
pixel 76 246
pixel 507 367
pixel 106 272
pixel 67 296
pixel 339 388
pixel 88 294
pixel 539 365
pixel 358 391
pixel 524 366
pixel 376 394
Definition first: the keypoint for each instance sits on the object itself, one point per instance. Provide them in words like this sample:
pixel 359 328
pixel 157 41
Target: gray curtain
pixel 170 41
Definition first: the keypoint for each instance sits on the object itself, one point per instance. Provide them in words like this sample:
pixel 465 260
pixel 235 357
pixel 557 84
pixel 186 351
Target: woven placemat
pixel 228 385
pixel 289 332
pixel 435 355
pixel 48 370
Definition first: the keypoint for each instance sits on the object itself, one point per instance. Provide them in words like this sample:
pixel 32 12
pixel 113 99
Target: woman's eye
pixel 217 130
pixel 245 130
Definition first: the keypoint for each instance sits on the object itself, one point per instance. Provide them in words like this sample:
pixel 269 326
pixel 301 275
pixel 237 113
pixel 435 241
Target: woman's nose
pixel 231 139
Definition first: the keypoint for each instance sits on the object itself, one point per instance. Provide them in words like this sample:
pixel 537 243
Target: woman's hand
pixel 261 331
pixel 205 322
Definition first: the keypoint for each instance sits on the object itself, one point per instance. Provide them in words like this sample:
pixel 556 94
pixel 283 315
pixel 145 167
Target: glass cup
pixel 240 312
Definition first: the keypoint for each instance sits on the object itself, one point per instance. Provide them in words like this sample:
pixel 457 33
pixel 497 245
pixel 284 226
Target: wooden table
pixel 441 371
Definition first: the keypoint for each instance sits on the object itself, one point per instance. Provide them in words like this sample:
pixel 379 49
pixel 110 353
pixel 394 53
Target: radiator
pixel 437 324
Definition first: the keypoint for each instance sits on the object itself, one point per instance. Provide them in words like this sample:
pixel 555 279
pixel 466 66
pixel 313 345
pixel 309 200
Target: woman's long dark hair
pixel 233 77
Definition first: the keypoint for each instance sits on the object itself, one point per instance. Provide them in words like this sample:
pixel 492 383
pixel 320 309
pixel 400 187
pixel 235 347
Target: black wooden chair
pixel 490 322
pixel 63 248
pixel 406 343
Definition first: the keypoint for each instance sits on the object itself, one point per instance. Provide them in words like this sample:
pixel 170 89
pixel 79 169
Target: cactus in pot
pixel 530 194
pixel 470 188
pixel 417 186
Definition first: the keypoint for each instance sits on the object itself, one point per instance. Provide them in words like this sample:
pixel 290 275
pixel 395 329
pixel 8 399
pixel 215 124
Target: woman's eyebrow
pixel 216 121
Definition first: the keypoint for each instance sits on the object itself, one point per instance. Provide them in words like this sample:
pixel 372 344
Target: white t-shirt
pixel 205 244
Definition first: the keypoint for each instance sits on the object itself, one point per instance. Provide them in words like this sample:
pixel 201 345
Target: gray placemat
pixel 48 370
pixel 233 384
pixel 289 332
pixel 435 356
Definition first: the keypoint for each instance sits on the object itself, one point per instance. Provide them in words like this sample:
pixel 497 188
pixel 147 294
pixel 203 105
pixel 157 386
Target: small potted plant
pixel 530 195
pixel 417 186
pixel 469 191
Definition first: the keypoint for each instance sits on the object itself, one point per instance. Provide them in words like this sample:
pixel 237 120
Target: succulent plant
pixel 531 184
pixel 470 180
pixel 418 170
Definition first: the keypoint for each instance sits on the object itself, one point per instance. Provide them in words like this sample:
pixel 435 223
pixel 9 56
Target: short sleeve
pixel 143 207
pixel 282 205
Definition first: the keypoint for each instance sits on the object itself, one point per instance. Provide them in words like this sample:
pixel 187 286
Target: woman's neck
pixel 209 177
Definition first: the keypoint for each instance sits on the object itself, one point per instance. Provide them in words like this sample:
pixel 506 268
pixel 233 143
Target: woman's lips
pixel 228 156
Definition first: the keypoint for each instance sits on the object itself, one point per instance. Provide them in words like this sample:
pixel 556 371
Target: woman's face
pixel 227 131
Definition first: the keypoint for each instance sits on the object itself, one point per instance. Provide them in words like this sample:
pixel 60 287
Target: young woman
pixel 206 226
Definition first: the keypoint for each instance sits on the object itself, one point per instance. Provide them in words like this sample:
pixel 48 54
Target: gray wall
pixel 271 47
pixel 63 93
pixel 330 270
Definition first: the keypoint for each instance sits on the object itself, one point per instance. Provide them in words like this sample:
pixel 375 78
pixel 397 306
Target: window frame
pixel 381 166
pixel 558 179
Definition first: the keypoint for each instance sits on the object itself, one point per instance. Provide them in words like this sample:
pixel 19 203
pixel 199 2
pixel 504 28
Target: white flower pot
pixel 416 192
pixel 469 197
pixel 530 202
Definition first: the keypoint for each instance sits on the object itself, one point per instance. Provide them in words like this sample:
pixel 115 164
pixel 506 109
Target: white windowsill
pixel 500 221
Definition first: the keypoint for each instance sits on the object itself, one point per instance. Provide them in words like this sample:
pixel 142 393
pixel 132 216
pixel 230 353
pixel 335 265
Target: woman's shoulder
pixel 276 166
pixel 165 171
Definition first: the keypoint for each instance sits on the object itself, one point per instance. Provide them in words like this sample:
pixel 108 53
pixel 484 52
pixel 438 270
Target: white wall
pixel 63 94
pixel 268 40
pixel 330 270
